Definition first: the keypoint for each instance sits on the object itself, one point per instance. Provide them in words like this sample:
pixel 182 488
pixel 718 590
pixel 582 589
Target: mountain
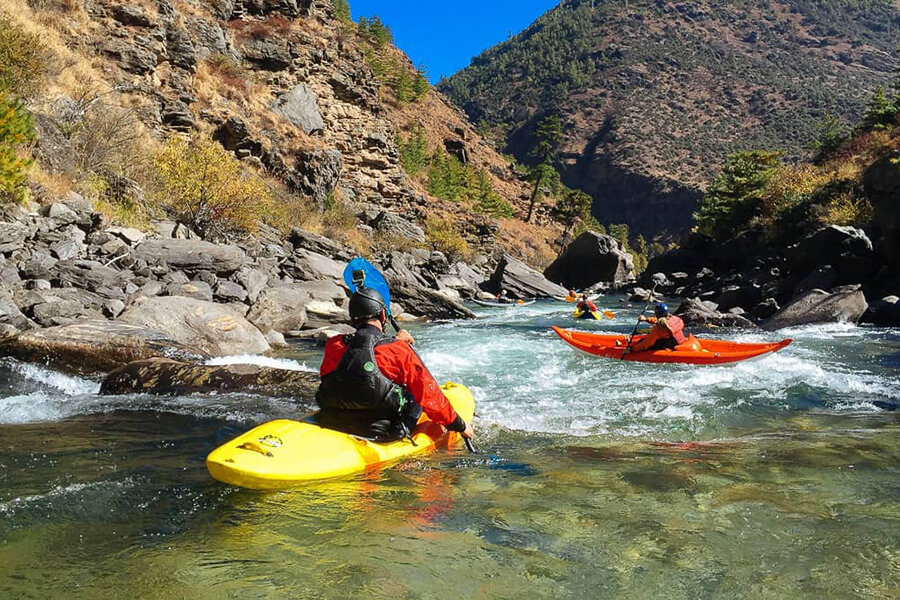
pixel 315 107
pixel 654 94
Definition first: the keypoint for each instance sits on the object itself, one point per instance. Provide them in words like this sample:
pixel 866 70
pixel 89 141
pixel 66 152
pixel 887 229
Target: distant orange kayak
pixel 693 351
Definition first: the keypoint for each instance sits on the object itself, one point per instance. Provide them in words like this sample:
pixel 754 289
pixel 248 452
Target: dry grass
pixel 54 185
pixel 531 243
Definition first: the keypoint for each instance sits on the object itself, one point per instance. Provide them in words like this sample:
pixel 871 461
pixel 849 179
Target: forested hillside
pixel 654 94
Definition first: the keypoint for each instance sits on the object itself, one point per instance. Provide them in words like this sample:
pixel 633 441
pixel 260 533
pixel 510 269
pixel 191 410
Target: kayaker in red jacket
pixel 585 305
pixel 667 331
pixel 374 385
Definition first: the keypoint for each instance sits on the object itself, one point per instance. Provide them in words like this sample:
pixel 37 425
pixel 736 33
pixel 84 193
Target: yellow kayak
pixel 284 453
pixel 583 314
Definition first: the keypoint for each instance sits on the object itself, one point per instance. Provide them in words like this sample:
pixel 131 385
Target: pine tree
pixel 544 174
pixel 16 130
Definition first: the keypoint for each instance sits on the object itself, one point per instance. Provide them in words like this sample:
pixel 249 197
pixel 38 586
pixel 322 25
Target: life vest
pixel 676 328
pixel 357 390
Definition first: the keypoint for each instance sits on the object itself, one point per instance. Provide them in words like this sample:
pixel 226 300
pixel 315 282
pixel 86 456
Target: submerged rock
pixel 817 306
pixel 164 376
pixel 96 345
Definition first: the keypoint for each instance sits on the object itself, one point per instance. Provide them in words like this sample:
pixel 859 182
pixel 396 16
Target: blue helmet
pixel 662 309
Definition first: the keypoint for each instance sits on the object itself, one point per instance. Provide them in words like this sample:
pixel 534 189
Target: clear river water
pixel 777 478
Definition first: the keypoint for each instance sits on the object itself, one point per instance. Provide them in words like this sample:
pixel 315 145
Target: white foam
pixel 262 361
pixel 69 385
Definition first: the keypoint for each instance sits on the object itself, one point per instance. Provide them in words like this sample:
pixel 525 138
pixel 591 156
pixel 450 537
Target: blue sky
pixel 444 35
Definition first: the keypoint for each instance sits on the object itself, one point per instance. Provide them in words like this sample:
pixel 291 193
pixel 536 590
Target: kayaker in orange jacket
pixel 375 385
pixel 667 331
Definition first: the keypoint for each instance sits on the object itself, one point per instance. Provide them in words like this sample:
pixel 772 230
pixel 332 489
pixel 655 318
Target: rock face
pixel 521 281
pixel 170 377
pixel 817 306
pixel 592 258
pixel 96 345
pixel 215 328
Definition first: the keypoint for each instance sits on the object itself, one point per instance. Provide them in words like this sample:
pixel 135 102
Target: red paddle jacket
pixel 399 363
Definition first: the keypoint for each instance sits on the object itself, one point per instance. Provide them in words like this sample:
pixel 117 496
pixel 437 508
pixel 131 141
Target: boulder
pixel 414 292
pixel 96 345
pixel 823 278
pixel 191 256
pixel 216 329
pixel 228 291
pixel 316 173
pixel 269 53
pixel 129 14
pixel 310 266
pixel 696 313
pixel 817 306
pixel 282 308
pixel 252 280
pixel 830 245
pixel 169 377
pixel 590 259
pixel 883 313
pixel 319 244
pixel 882 185
pixel 90 275
pixel 10 314
pixel 521 281
pixel 13 235
pixel 747 295
pixel 300 107
pixel 198 290
pixel 390 224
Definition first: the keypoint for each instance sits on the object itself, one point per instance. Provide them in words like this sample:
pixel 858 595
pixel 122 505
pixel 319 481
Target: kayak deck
pixel 581 314
pixel 283 453
pixel 693 351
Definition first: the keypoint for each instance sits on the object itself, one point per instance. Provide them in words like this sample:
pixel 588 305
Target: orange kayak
pixel 693 351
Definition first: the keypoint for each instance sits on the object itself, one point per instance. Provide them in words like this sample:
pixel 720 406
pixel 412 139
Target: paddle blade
pixel 609 314
pixel 360 272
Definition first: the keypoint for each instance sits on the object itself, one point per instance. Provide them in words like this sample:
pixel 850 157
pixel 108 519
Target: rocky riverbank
pixel 836 274
pixel 82 295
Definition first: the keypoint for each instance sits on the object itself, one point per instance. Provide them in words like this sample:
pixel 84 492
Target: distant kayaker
pixel 585 305
pixel 503 297
pixel 667 331
pixel 374 385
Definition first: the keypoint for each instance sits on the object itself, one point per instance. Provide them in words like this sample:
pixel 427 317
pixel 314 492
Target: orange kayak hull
pixel 694 351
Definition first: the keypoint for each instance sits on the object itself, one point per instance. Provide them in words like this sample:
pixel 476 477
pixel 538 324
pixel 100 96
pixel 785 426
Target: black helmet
pixel 365 304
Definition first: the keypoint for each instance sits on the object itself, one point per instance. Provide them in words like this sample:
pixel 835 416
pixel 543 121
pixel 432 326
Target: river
pixel 595 479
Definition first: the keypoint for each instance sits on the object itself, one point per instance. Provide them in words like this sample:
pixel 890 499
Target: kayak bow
pixel 693 351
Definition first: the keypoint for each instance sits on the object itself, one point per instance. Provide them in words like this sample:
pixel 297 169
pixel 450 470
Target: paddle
pixel 359 272
pixel 633 333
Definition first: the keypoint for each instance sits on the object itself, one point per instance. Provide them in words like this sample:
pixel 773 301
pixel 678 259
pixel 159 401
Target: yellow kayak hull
pixel 285 453
pixel 581 314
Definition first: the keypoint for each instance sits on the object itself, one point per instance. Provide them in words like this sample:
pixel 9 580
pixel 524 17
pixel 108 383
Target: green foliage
pixel 23 60
pixel 443 236
pixel 882 111
pixel 203 186
pixel 830 134
pixel 342 11
pixel 414 156
pixel 547 137
pixel 733 198
pixel 420 85
pixel 16 131
pixel 488 201
pixel 375 32
pixel 572 207
pixel 449 179
pixel 545 179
